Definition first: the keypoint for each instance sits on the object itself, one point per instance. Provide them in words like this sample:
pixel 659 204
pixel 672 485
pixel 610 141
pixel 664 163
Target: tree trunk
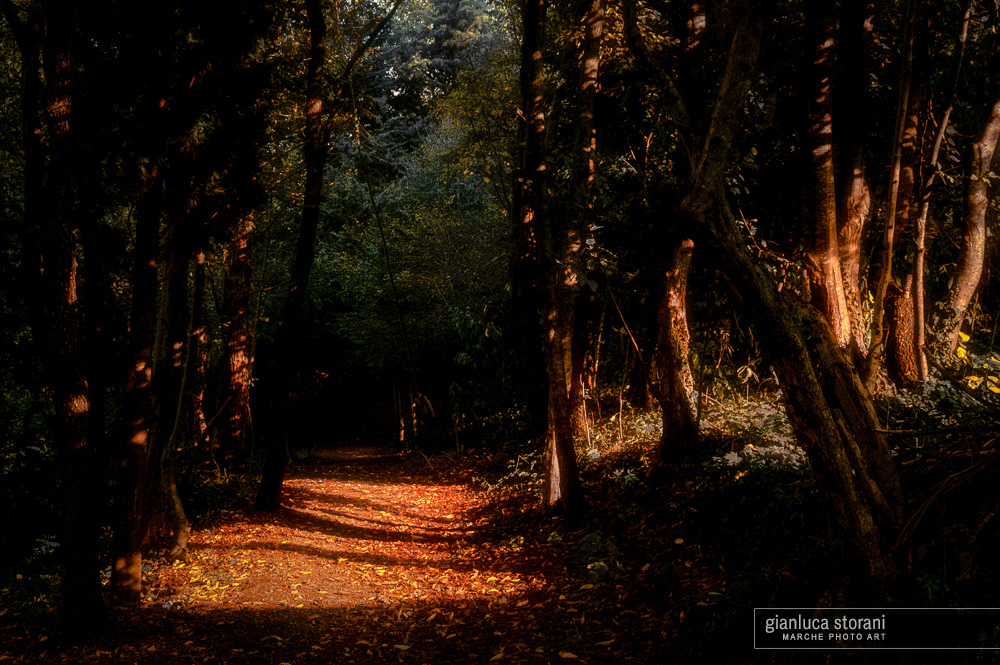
pixel 169 375
pixel 675 382
pixel 527 216
pixel 830 409
pixel 236 441
pixel 823 269
pixel 81 609
pixel 198 355
pixel 585 172
pixel 126 578
pixel 920 235
pixel 881 268
pixel 561 491
pixel 973 250
pixel 900 359
pixel 853 194
pixel 315 150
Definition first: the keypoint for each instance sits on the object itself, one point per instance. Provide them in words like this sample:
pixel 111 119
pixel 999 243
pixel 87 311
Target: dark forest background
pixel 608 229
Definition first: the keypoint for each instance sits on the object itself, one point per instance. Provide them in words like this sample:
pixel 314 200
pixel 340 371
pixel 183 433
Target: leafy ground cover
pixel 384 557
pixel 381 556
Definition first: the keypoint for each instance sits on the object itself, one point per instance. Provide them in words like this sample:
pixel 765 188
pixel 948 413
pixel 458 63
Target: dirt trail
pixel 357 530
pixel 376 558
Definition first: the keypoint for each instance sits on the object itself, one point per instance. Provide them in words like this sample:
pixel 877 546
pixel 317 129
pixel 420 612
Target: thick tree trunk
pixel 126 578
pixel 853 194
pixel 82 604
pixel 561 490
pixel 235 440
pixel 900 359
pixel 828 405
pixel 973 250
pixel 527 216
pixel 823 269
pixel 829 408
pixel 674 380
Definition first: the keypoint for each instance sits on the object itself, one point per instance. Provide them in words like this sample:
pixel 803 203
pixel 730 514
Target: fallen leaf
pixel 567 654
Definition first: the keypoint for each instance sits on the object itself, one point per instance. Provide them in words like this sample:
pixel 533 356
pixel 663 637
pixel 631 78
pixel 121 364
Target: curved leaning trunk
pixel 828 405
pixel 972 255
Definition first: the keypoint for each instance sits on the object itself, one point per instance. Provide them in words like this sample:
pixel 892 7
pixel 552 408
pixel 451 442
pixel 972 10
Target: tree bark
pixel 170 353
pixel 81 609
pixel 236 440
pixel 527 216
pixel 823 269
pixel 853 194
pixel 900 358
pixel 315 150
pixel 881 269
pixel 920 234
pixel 674 381
pixel 973 249
pixel 827 403
pixel 126 574
pixel 585 311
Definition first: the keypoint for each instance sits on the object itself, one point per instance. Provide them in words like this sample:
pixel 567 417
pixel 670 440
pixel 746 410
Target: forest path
pixel 374 558
pixel 356 530
pixel 380 557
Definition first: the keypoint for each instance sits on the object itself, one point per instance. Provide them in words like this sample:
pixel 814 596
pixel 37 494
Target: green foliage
pixel 481 367
pixel 522 475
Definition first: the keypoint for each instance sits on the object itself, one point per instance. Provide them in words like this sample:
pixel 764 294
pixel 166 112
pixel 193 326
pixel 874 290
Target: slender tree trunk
pixel 527 216
pixel 561 490
pixel 675 382
pixel 315 152
pixel 973 250
pixel 169 376
pixel 920 235
pixel 823 268
pixel 881 272
pixel 126 579
pixel 585 309
pixel 562 486
pixel 198 345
